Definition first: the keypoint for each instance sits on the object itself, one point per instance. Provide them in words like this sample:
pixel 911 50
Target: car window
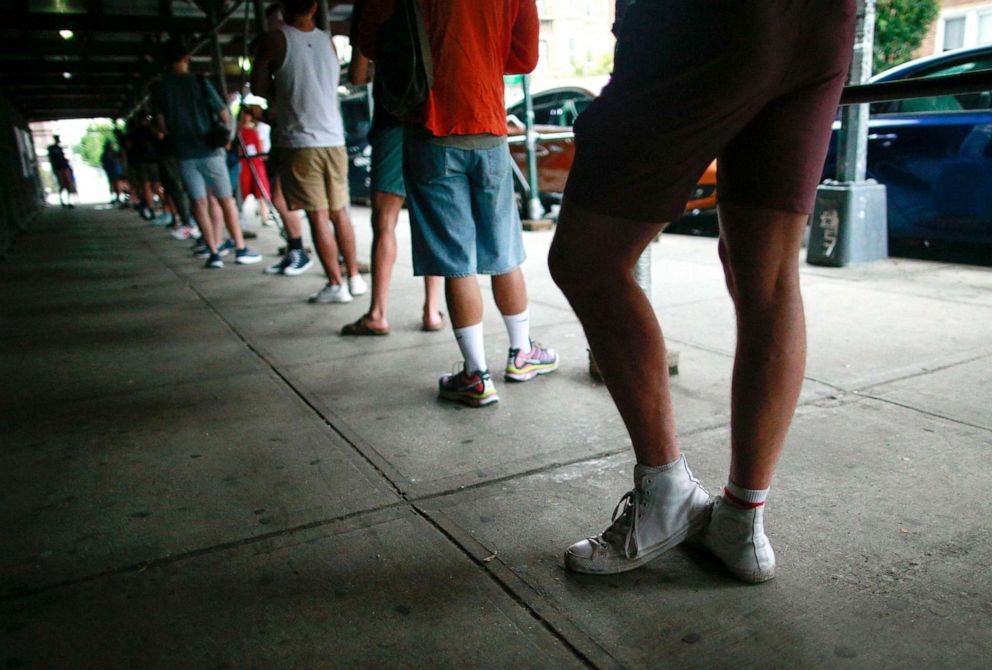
pixel 944 103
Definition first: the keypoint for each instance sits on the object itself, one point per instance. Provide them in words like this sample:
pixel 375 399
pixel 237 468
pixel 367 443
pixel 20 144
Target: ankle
pixel 744 498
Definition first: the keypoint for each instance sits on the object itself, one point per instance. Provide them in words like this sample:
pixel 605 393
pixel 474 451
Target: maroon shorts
pixel 753 83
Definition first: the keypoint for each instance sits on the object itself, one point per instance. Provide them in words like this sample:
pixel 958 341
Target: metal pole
pixel 218 55
pixel 852 147
pixel 534 208
pixel 259 7
pixel 849 223
pixel 323 18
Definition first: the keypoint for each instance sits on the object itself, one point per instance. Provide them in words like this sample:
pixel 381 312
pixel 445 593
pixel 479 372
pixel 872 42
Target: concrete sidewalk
pixel 198 472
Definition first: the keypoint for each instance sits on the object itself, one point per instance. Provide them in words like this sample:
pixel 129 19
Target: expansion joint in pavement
pixel 556 623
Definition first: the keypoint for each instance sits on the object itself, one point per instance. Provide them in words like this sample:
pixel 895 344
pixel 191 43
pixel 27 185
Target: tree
pixel 90 147
pixel 900 28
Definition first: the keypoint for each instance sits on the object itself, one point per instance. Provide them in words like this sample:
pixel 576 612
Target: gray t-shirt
pixel 189 108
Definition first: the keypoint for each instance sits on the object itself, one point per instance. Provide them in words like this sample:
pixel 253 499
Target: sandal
pixel 361 327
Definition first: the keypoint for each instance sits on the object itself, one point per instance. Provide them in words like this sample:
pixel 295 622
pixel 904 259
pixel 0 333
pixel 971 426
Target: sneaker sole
pixel 248 261
pixel 586 567
pixel 274 270
pixel 328 302
pixel 470 400
pixel 532 372
pixel 293 272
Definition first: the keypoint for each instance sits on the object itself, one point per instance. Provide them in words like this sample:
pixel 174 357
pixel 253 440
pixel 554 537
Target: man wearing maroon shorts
pixel 758 90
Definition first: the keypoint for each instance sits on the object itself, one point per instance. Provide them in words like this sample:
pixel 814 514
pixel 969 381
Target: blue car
pixel 934 155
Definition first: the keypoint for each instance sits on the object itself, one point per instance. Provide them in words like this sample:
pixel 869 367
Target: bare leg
pixel 231 219
pixel 385 213
pixel 618 319
pixel 290 219
pixel 760 253
pixel 432 303
pixel 510 292
pixel 201 213
pixel 345 235
pixel 217 219
pixel 464 300
pixel 323 240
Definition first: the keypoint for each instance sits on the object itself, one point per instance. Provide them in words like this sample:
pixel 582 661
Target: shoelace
pixel 626 518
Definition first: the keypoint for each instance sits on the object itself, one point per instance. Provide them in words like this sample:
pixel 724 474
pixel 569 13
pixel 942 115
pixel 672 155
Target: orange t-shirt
pixel 473 44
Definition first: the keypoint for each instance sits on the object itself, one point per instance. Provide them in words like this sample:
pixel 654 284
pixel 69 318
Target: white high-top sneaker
pixel 661 511
pixel 737 537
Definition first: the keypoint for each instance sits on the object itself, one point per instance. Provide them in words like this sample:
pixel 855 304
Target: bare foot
pixel 433 322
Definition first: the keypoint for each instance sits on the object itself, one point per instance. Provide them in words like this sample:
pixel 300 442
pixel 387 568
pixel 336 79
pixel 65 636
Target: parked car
pixel 555 110
pixel 934 155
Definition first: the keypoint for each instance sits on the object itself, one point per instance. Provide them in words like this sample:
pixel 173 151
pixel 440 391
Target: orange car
pixel 555 110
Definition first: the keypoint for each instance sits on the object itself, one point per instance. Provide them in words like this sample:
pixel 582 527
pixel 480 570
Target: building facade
pixel 961 23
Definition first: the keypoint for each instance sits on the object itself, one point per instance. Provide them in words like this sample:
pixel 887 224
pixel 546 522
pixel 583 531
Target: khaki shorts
pixel 314 178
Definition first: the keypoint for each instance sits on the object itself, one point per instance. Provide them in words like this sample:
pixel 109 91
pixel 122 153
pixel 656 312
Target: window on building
pixel 954 33
pixel 985 28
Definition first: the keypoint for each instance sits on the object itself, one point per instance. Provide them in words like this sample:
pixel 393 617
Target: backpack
pixel 219 135
pixel 404 68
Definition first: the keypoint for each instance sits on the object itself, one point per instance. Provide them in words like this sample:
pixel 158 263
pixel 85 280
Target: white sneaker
pixel 357 285
pixel 332 293
pixel 661 511
pixel 737 537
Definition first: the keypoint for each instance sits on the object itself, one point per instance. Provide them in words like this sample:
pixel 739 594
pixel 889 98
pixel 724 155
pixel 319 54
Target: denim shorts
pixel 463 214
pixel 200 174
pixel 387 161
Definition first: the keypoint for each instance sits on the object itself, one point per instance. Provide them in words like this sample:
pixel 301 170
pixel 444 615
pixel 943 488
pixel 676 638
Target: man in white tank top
pixel 297 69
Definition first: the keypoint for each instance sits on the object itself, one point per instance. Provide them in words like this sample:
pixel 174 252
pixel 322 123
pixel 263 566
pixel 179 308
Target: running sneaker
pixel 225 247
pixel 357 285
pixel 163 219
pixel 185 233
pixel 299 262
pixel 202 251
pixel 246 256
pixel 278 268
pixel 214 262
pixel 331 293
pixel 522 366
pixel 475 389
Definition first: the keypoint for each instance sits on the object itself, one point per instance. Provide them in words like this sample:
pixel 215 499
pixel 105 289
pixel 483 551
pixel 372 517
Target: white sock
pixel 742 497
pixel 473 347
pixel 518 328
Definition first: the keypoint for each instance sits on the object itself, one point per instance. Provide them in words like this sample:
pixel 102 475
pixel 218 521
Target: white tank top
pixel 308 113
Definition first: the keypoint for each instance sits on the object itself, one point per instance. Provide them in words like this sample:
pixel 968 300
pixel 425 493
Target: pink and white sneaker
pixel 522 366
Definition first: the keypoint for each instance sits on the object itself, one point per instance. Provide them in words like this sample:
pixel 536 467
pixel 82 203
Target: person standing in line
pixel 387 193
pixel 296 68
pixel 62 170
pixel 110 160
pixel 459 183
pixel 185 106
pixel 766 115
pixel 254 180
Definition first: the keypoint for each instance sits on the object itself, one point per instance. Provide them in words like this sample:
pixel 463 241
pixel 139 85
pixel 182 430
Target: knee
pixel 564 269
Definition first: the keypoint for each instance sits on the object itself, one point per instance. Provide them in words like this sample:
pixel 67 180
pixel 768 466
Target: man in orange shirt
pixel 463 213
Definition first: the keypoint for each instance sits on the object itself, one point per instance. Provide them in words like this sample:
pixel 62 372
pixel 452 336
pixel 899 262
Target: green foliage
pixel 900 28
pixel 90 148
